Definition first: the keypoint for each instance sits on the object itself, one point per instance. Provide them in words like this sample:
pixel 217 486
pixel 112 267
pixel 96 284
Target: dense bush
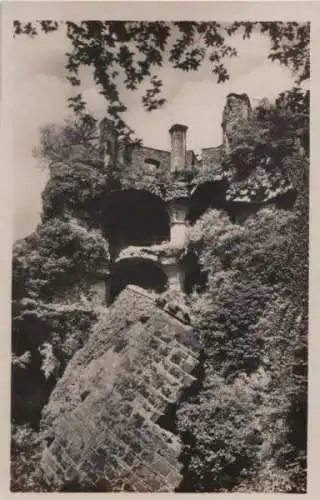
pixel 255 376
pixel 25 458
pixel 78 189
pixel 59 251
pixel 245 430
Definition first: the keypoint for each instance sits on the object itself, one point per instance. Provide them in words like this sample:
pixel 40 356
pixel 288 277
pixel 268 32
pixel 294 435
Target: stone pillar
pixel 173 272
pixel 178 147
pixel 178 225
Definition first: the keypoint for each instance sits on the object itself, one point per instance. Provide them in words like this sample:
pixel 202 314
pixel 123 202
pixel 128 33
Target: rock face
pixel 103 413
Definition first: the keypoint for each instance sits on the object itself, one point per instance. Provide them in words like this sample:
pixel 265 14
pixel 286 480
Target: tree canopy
pixel 129 54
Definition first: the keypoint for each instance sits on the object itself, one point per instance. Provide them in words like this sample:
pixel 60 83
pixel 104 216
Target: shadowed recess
pixel 135 217
pixel 137 271
pixel 207 195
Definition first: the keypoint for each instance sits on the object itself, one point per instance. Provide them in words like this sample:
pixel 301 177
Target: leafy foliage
pixel 248 421
pixel 77 189
pixel 267 150
pixel 251 332
pixel 77 181
pixel 58 252
pixel 44 338
pixel 25 457
pixel 57 141
pixel 131 53
pixel 52 310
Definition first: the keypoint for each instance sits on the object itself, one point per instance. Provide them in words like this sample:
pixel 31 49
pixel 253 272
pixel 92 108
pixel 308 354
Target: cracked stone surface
pixel 101 420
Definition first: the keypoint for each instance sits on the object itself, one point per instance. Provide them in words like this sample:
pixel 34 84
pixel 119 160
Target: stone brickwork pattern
pixel 147 165
pixel 103 413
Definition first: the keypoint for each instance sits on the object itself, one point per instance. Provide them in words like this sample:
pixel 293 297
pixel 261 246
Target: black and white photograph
pixel 160 254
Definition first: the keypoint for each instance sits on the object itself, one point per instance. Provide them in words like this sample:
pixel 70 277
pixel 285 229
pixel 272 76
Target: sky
pixel 40 91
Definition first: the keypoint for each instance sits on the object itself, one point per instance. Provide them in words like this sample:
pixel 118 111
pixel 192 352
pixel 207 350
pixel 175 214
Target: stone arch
pixel 139 271
pixel 135 217
pixel 211 194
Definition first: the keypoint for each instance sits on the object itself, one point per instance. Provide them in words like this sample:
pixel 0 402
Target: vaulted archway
pixel 135 217
pixel 137 271
pixel 207 195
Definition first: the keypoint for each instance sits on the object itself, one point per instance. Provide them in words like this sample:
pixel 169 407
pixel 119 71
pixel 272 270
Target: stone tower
pixel 237 109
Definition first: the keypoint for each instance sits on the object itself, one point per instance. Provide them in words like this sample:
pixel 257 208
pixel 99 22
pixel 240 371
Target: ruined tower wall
pixel 236 110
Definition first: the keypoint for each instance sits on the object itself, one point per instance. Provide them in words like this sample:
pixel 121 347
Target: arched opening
pixel 137 271
pixel 207 195
pixel 135 217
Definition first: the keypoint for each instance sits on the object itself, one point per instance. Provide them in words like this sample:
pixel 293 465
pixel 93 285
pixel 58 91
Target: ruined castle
pixel 105 419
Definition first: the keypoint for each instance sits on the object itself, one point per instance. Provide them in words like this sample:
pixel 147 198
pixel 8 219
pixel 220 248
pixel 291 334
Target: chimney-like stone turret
pixel 178 147
pixel 236 110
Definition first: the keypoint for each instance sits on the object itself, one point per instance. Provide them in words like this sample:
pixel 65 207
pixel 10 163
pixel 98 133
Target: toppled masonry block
pixel 126 376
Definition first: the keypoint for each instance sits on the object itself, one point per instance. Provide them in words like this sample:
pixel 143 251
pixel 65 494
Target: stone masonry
pixel 103 413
